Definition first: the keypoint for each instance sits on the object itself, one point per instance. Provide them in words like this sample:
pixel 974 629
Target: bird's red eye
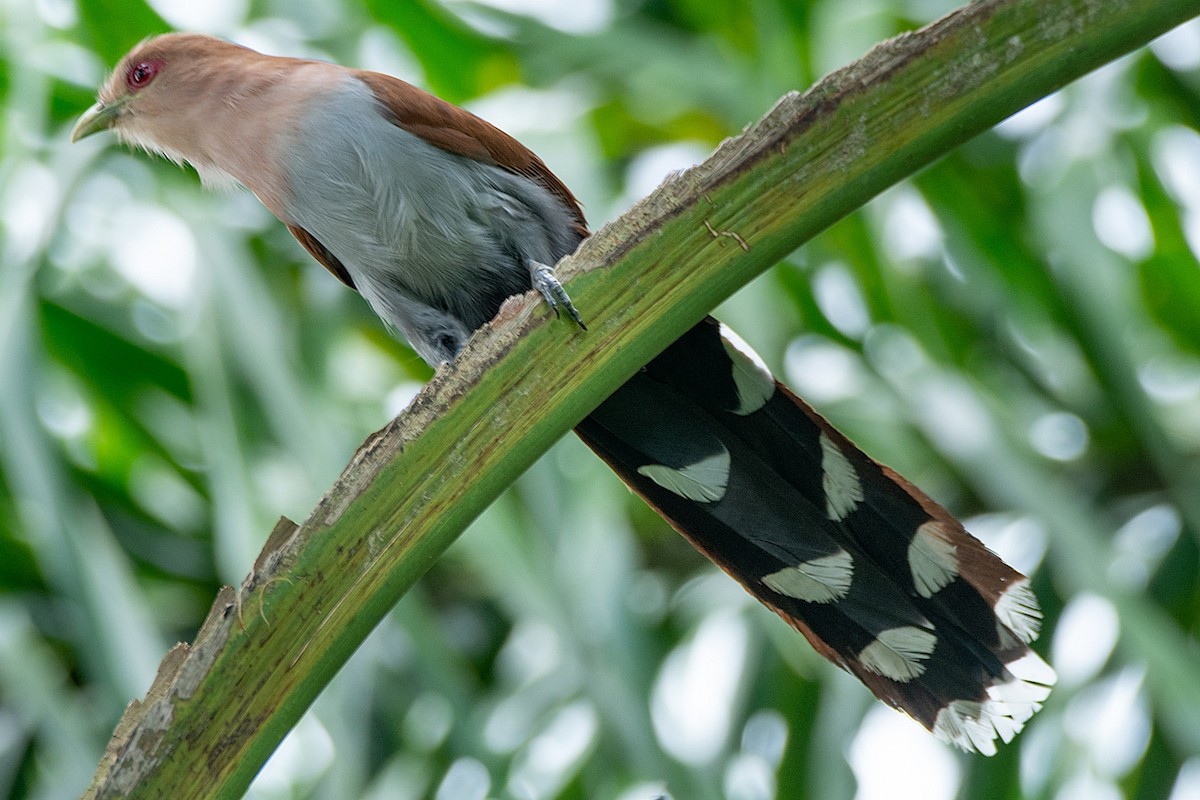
pixel 140 74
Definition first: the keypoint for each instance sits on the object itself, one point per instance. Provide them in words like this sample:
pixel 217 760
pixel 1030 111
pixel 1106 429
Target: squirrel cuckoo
pixel 436 217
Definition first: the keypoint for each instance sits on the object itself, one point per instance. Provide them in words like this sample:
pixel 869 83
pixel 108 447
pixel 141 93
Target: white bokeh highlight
pixel 156 252
pixel 885 751
pixel 1084 639
pixel 1121 223
pixel 692 699
pixel 211 16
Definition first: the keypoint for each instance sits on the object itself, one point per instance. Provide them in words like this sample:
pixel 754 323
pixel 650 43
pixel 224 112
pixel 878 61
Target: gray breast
pixel 403 216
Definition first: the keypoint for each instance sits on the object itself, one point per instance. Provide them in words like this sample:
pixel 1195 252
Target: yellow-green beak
pixel 99 117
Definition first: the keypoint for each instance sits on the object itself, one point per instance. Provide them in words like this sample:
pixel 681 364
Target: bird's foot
pixel 544 281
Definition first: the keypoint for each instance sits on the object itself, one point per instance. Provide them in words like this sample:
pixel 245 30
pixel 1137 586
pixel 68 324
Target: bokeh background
pixel 1017 329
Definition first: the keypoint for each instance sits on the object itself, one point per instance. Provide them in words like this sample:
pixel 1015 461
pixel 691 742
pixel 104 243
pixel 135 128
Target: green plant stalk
pixel 220 707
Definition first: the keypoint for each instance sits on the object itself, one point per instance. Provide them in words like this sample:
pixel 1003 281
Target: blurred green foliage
pixel 1015 330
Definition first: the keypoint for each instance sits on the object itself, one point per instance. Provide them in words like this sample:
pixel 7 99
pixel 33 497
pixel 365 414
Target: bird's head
pixel 202 100
pixel 160 93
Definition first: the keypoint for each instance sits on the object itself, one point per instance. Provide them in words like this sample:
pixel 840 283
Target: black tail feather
pixel 879 578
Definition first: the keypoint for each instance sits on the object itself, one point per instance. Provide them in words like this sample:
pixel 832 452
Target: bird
pixel 436 217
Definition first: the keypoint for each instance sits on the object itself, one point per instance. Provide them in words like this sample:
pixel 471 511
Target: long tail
pixel 878 577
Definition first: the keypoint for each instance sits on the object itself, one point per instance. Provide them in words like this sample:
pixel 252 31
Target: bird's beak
pixel 99 117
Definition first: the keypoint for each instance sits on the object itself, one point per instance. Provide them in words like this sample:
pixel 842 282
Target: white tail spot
pixel 821 580
pixel 932 558
pixel 839 481
pixel 899 653
pixel 703 482
pixel 754 382
pixel 1018 611
pixel 973 725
